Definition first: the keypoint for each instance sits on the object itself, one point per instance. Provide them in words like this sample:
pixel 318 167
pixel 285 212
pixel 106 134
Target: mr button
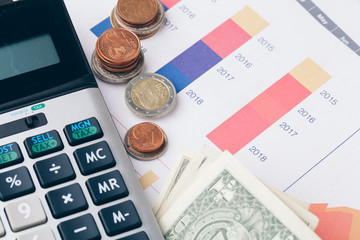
pixel 43 144
pixel 83 131
pixel 94 158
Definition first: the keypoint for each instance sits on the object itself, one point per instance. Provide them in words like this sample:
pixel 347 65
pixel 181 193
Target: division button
pixel 54 171
pixel 83 131
pixel 120 218
pixel 10 154
pixel 15 183
pixel 107 187
pixel 42 144
pixel 44 233
pixel 79 228
pixel 136 236
pixel 26 213
pixel 65 201
pixel 94 158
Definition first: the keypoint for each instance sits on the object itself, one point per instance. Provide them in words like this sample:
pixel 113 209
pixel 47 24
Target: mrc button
pixel 10 154
pixel 83 131
pixel 94 158
pixel 42 144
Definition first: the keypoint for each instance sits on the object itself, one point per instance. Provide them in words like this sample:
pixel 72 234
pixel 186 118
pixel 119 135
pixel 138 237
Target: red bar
pixel 169 3
pixel 226 38
pixel 259 114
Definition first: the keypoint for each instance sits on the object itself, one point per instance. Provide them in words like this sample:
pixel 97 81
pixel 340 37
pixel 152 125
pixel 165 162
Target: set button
pixel 43 144
pixel 10 154
pixel 83 131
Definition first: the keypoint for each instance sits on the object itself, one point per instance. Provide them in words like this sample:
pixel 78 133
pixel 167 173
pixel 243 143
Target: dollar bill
pixel 227 202
pixel 181 163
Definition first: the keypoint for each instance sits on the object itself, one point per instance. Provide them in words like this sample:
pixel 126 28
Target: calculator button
pixel 54 171
pixel 107 187
pixel 10 154
pixel 2 229
pixel 15 183
pixel 83 131
pixel 94 158
pixel 66 201
pixel 25 213
pixel 120 218
pixel 136 236
pixel 79 228
pixel 41 234
pixel 42 144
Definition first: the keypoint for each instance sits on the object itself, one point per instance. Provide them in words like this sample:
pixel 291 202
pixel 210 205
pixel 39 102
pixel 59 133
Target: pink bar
pixel 170 3
pixel 259 114
pixel 226 38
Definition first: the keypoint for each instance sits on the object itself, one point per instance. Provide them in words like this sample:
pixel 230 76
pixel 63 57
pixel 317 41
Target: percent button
pixel 15 183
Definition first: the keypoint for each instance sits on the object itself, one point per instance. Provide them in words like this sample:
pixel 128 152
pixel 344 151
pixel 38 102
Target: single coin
pixel 118 46
pixel 145 136
pixel 150 95
pixel 115 77
pixel 137 12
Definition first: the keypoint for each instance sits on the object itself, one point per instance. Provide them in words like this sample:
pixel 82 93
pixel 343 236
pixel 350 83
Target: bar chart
pixel 269 106
pixel 214 47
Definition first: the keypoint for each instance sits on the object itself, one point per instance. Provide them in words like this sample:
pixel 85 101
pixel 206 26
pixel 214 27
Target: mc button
pixel 42 144
pixel 94 158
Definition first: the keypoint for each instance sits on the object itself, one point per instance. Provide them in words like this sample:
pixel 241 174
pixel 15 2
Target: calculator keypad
pixel 69 199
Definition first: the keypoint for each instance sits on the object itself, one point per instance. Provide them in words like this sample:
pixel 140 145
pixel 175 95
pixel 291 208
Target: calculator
pixel 64 171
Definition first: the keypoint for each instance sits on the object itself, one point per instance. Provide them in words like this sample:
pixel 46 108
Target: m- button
pixel 94 158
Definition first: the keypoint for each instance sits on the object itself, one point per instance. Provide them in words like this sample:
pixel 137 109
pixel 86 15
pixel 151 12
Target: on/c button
pixel 94 158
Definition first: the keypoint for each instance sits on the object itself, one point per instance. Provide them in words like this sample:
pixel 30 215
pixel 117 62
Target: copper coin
pixel 137 12
pixel 146 137
pixel 118 46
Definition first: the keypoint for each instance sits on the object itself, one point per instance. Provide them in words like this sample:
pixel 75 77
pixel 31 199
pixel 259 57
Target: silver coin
pixel 142 32
pixel 150 95
pixel 145 156
pixel 115 77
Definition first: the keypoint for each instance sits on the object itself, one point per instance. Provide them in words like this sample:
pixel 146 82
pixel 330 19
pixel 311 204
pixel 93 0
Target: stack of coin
pixel 143 17
pixel 145 141
pixel 117 56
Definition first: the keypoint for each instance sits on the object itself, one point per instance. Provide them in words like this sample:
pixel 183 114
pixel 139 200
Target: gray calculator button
pixel 41 234
pixel 25 213
pixel 2 230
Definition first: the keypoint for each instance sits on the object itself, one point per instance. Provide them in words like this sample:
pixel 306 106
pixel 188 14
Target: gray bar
pixel 307 4
pixel 323 19
pixel 340 34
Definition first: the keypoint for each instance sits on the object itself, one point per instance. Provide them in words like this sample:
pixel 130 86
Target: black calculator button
pixel 94 158
pixel 136 236
pixel 80 228
pixel 54 171
pixel 15 183
pixel 120 218
pixel 107 187
pixel 83 131
pixel 10 154
pixel 66 201
pixel 42 144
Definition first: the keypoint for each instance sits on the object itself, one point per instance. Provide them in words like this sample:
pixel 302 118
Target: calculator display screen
pixel 27 55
